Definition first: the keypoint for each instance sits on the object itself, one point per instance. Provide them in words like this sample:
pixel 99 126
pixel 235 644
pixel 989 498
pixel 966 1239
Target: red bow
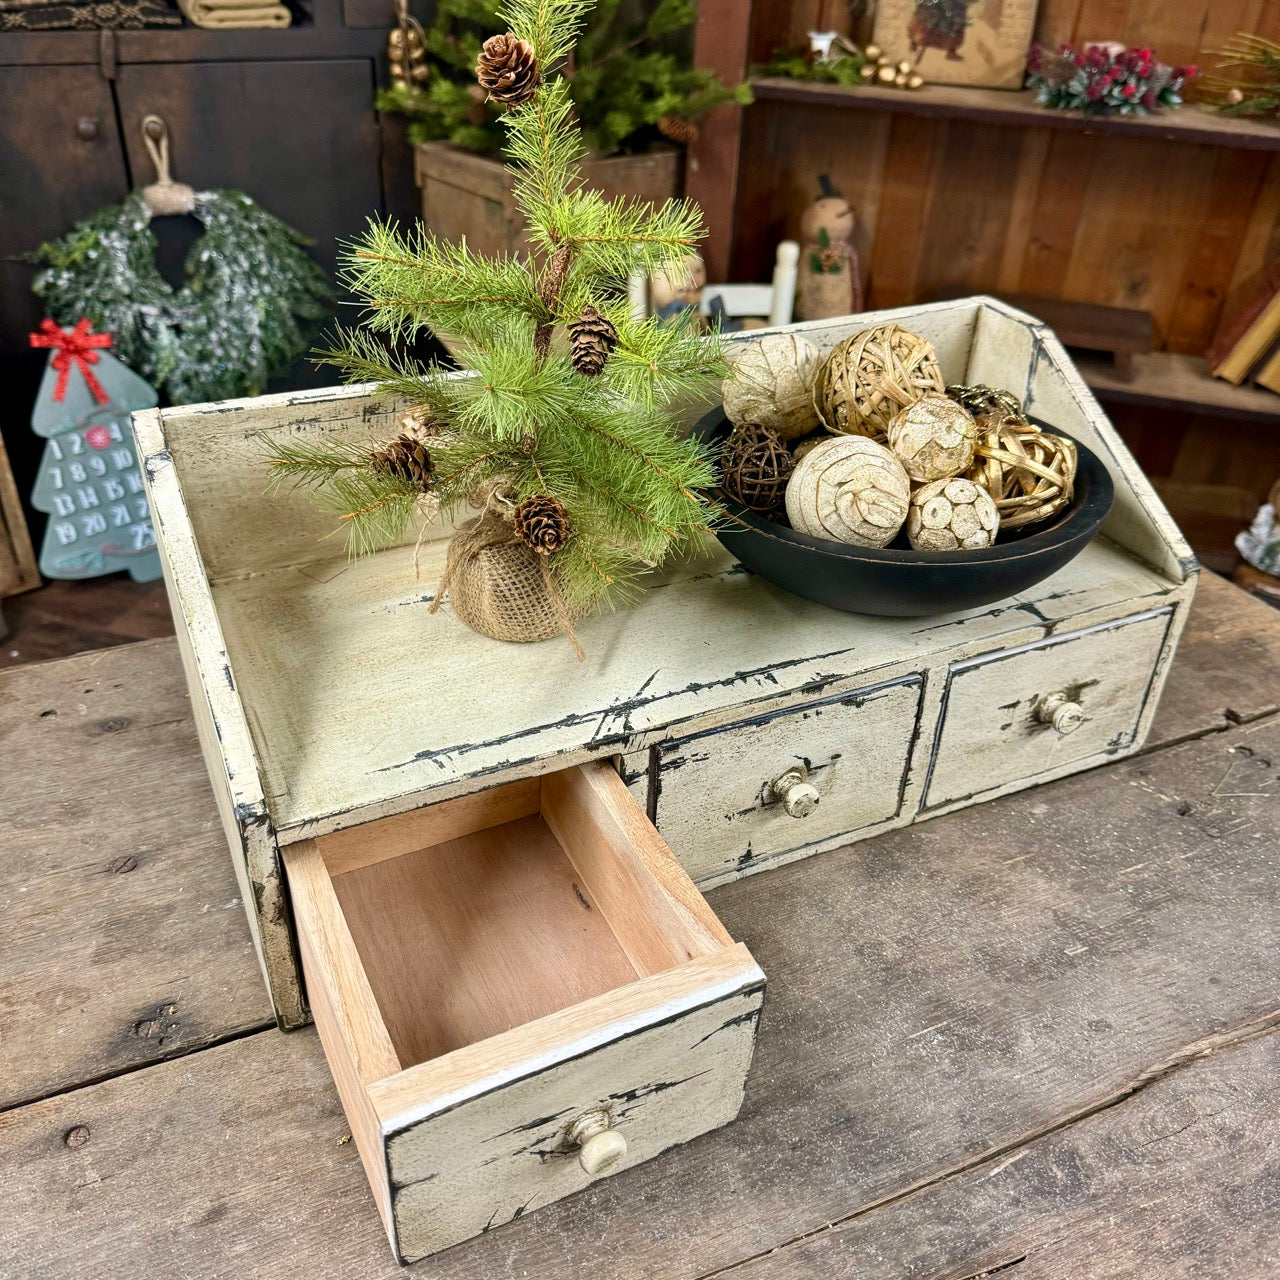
pixel 77 346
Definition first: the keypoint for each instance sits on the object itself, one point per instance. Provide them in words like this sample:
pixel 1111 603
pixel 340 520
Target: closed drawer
pixel 517 991
pixel 1011 716
pixel 734 797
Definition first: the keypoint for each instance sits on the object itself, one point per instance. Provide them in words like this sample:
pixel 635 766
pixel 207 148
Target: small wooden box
pixel 369 759
pixel 469 196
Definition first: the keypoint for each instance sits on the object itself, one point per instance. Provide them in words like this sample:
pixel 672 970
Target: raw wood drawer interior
pixel 496 938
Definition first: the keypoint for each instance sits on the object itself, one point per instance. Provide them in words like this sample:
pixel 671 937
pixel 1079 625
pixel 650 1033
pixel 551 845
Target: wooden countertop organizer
pixel 459 848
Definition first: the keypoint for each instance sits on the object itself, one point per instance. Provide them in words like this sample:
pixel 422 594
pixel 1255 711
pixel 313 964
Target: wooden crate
pixel 469 195
pixel 18 570
pixel 333 708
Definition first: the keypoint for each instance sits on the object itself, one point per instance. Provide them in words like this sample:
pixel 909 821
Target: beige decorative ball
pixel 849 490
pixel 772 384
pixel 952 515
pixel 871 376
pixel 934 437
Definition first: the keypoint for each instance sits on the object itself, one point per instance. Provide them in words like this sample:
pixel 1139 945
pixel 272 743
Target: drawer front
pixel 715 801
pixel 1013 716
pixel 519 991
pixel 507 1152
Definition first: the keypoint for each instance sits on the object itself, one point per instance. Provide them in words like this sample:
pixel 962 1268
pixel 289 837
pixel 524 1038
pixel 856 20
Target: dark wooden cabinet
pixel 286 116
pixel 300 137
pixel 61 157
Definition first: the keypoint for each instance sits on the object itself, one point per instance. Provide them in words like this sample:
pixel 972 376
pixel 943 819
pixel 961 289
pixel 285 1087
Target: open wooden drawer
pixel 517 991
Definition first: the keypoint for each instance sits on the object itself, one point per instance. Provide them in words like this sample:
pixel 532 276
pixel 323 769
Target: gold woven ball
pixel 1029 472
pixel 772 384
pixel 952 515
pixel 850 490
pixel 872 375
pixel 934 437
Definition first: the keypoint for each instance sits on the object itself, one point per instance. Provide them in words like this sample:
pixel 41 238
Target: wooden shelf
pixel 1018 107
pixel 1163 379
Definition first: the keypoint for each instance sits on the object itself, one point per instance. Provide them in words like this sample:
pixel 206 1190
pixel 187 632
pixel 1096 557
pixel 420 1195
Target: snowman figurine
pixel 829 282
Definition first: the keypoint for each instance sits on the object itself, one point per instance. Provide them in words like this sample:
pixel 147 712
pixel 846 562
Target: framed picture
pixel 974 42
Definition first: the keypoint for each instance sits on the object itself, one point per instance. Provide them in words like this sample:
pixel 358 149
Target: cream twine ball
pixel 952 515
pixel 872 375
pixel 771 384
pixel 850 490
pixel 934 438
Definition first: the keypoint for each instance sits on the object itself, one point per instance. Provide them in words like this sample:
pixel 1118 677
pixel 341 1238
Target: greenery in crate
pixel 628 78
pixel 568 413
pixel 845 70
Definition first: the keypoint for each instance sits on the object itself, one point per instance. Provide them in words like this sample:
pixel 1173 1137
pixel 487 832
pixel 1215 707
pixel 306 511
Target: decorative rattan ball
pixel 984 402
pixel 772 384
pixel 934 437
pixel 870 376
pixel 952 515
pixel 755 466
pixel 849 490
pixel 1029 472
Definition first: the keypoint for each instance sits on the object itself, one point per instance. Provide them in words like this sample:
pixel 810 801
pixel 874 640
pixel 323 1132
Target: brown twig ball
pixel 755 466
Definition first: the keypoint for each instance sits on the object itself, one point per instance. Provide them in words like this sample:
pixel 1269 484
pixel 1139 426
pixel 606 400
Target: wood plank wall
pixel 942 204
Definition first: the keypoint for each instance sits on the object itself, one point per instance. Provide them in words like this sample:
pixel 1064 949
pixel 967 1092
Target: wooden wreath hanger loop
pixel 163 196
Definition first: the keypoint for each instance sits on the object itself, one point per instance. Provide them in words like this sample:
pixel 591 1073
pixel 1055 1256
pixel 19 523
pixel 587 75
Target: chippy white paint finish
pixel 714 793
pixel 359 705
pixel 992 705
pixel 466 1168
pixel 220 724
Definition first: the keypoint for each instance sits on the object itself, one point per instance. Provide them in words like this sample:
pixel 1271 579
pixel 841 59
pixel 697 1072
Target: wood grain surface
pixel 125 939
pixel 950 202
pixel 1003 1034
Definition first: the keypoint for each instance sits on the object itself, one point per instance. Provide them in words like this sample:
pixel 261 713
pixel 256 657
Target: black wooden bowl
pixel 897 581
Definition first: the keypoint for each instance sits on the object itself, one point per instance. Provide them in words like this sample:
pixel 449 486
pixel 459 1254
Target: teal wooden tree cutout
pixel 89 481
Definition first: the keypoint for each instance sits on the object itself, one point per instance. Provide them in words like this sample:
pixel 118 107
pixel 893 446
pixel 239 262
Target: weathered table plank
pixel 1180 1182
pixel 1226 670
pixel 124 937
pixel 936 995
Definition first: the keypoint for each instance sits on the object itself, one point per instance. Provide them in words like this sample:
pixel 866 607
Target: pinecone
pixel 592 337
pixel 682 132
pixel 406 459
pixel 542 524
pixel 507 70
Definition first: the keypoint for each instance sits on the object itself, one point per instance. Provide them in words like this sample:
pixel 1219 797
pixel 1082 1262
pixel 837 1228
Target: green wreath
pixel 250 305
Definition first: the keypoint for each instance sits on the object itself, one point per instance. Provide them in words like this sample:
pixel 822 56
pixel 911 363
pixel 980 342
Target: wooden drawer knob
pixel 798 796
pixel 1058 710
pixel 599 1146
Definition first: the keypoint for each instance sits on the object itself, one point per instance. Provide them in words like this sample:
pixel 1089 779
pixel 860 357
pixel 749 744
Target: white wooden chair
pixel 772 302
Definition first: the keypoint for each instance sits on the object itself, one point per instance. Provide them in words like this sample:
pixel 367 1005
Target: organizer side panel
pixel 224 736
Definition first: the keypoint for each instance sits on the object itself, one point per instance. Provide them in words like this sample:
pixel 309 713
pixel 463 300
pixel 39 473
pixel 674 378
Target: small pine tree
pixel 568 408
pixel 627 75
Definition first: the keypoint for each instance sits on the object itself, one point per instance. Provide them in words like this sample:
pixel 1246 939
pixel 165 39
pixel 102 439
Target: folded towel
pixel 226 14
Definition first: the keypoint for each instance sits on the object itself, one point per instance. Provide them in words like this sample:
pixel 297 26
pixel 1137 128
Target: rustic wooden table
pixel 1035 1038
